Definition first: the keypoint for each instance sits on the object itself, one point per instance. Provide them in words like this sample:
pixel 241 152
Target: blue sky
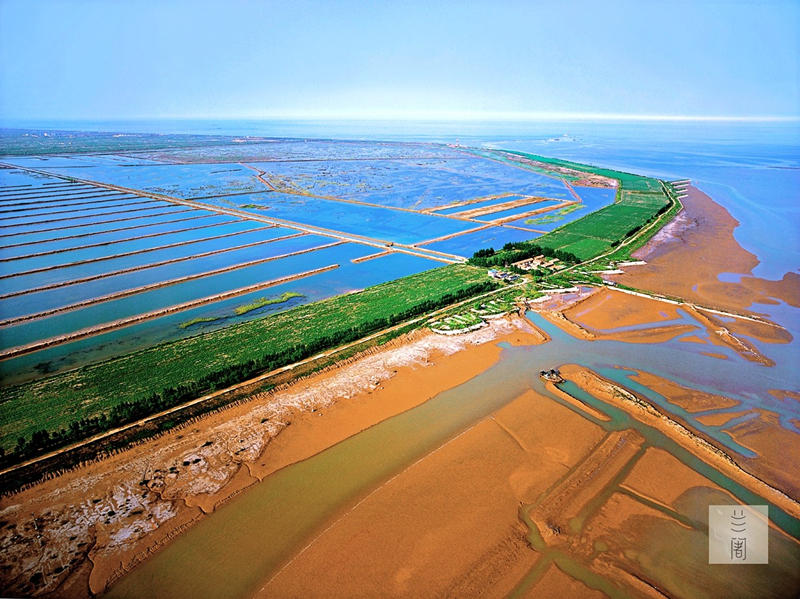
pixel 82 59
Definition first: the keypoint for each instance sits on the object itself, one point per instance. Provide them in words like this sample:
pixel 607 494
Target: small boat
pixel 552 375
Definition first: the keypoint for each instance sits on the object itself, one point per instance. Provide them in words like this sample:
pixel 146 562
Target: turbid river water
pixel 234 551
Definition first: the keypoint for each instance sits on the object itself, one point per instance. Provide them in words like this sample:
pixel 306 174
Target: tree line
pixel 516 251
pixel 42 441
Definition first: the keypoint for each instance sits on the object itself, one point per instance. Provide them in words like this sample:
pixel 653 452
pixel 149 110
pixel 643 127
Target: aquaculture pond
pixel 354 219
pixel 114 238
pixel 347 277
pixel 418 184
pixel 399 175
pixel 178 180
pixel 78 258
pixel 494 237
pixel 70 321
pixel 69 194
pixel 100 226
pixel 68 266
pixel 117 215
pixel 287 149
pixel 191 260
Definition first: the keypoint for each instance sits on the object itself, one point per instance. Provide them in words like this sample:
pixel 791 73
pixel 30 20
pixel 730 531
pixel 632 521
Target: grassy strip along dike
pixel 640 201
pixel 43 415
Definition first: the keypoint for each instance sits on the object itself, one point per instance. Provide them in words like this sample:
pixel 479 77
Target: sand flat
pixel 691 400
pixel 776 447
pixel 687 260
pixel 609 309
pixel 648 477
pixel 452 517
pixel 555 584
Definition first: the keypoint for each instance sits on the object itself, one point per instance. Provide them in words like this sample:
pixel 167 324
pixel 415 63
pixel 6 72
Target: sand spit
pixel 650 415
pixel 602 315
pixel 476 212
pixel 743 348
pixel 113 513
pixel 582 178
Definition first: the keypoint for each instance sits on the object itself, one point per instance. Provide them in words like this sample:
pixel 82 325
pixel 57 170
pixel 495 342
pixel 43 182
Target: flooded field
pixel 98 248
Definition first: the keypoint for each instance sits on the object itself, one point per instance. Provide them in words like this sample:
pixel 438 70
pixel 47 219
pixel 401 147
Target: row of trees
pixel 516 251
pixel 43 440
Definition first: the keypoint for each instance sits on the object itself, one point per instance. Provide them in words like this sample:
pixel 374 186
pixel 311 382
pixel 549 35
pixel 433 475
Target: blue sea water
pixel 752 169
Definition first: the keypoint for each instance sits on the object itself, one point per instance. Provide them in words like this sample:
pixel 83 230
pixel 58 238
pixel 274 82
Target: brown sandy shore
pixel 685 258
pixel 539 501
pixel 102 517
pixel 535 500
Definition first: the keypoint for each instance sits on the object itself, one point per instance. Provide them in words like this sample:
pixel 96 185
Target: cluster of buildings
pixel 502 275
pixel 539 262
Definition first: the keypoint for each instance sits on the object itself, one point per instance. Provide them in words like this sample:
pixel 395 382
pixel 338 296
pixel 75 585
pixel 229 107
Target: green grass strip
pixel 72 405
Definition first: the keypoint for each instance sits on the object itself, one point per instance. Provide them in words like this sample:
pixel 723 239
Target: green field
pixel 200 320
pixel 606 228
pixel 87 400
pixel 640 200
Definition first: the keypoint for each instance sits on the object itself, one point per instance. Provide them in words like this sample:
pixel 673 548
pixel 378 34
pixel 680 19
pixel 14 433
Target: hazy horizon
pixel 306 60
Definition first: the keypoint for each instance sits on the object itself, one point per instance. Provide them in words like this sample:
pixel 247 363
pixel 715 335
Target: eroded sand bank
pixel 101 519
pixel 451 524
